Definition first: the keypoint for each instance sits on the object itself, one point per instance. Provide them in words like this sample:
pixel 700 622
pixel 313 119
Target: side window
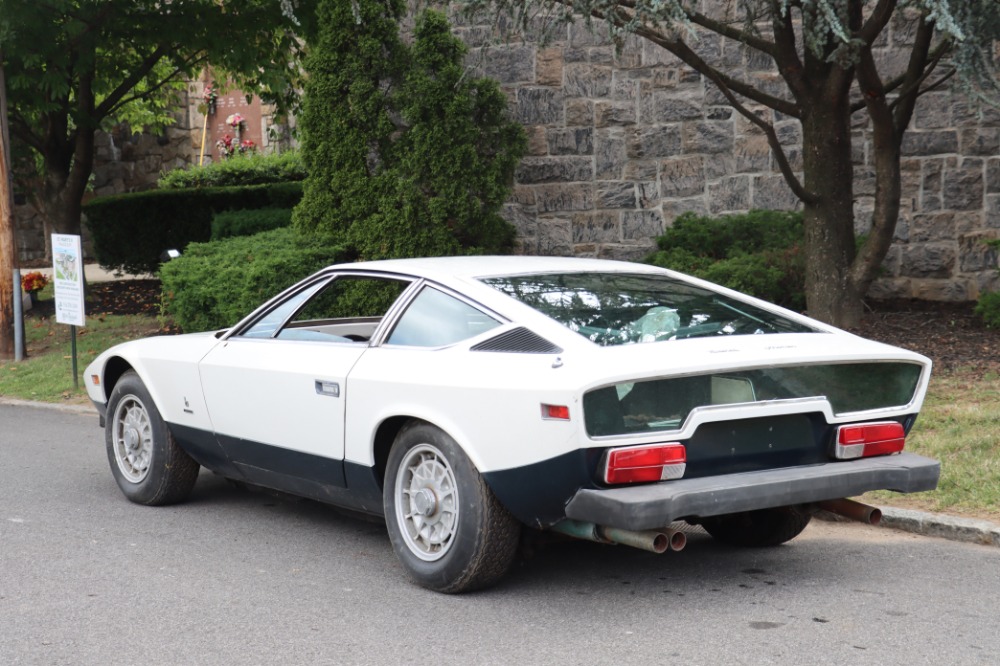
pixel 435 319
pixel 345 309
pixel 266 326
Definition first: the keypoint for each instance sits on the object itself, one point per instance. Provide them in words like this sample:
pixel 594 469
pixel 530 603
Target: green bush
pixel 257 169
pixel 249 222
pixel 758 253
pixel 988 306
pixel 130 231
pixel 213 285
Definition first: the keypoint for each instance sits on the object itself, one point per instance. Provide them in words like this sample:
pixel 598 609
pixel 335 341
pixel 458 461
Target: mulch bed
pixel 951 334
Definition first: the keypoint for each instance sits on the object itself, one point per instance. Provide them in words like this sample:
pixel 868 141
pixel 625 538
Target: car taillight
pixel 635 464
pixel 555 412
pixel 864 440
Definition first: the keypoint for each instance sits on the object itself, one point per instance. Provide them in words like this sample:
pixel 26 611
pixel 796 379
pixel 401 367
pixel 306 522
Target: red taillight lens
pixel 555 412
pixel 636 464
pixel 869 439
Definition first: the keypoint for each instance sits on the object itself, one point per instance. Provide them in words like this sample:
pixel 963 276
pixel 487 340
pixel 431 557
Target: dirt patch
pixel 951 334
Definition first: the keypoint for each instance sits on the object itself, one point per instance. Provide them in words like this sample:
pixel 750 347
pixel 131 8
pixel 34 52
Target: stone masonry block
pixel 609 154
pixel 614 194
pixel 643 225
pixel 655 141
pixel 538 106
pixel 682 177
pixel 563 169
pixel 571 141
pixel 614 113
pixel 773 192
pixel 931 142
pixel 929 260
pixel 579 112
pixel 585 80
pixel 975 254
pixel 557 197
pixel 509 64
pixel 729 194
pixel 659 106
pixel 708 137
pixel 599 227
pixel 963 187
pixel 549 67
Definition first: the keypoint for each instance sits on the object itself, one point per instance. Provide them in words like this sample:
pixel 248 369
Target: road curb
pixel 55 406
pixel 970 530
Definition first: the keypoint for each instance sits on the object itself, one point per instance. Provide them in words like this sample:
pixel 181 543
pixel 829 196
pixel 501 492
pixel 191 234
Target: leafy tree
pixel 406 155
pixel 822 50
pixel 73 66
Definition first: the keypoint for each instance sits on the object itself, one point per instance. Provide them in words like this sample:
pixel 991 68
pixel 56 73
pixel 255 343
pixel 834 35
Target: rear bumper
pixel 652 506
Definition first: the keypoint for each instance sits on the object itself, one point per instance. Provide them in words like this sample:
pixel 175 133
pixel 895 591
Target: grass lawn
pixel 959 424
pixel 47 373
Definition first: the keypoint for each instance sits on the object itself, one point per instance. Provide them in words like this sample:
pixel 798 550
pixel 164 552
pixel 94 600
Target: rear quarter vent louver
pixel 518 341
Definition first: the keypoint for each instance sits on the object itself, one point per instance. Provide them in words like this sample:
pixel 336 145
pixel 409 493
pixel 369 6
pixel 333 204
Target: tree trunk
pixel 831 294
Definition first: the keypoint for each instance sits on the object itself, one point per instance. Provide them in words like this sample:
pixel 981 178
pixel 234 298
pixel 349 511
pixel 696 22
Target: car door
pixel 276 389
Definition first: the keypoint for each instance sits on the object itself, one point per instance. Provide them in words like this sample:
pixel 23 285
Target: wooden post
pixel 8 246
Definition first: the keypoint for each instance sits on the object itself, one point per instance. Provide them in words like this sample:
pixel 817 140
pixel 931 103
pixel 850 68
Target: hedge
pixel 758 253
pixel 131 231
pixel 213 285
pixel 248 170
pixel 249 222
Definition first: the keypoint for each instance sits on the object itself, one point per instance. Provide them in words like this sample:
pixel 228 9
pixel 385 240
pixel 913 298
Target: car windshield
pixel 629 308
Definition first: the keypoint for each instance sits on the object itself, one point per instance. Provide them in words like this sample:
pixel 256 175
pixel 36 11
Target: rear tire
pixel 148 465
pixel 448 529
pixel 758 529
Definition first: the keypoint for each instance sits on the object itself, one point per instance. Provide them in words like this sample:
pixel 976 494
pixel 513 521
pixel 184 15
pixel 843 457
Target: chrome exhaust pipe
pixel 853 510
pixel 654 541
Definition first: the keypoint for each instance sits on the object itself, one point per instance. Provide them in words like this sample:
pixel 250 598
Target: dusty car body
pixel 466 398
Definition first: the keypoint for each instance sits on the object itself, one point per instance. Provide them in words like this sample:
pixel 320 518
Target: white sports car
pixel 466 398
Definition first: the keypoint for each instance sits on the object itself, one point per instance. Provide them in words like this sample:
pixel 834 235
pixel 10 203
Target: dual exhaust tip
pixel 654 541
pixel 662 540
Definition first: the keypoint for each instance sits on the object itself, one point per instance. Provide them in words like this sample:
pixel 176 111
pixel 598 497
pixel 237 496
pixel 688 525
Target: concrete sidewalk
pixel 93 273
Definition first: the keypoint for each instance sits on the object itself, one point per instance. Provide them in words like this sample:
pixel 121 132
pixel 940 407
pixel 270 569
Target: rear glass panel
pixel 664 404
pixel 624 308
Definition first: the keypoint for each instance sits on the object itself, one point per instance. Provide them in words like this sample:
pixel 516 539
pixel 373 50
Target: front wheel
pixel 148 465
pixel 446 526
pixel 766 527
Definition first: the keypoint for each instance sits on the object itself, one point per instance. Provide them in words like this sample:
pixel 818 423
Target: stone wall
pixel 620 144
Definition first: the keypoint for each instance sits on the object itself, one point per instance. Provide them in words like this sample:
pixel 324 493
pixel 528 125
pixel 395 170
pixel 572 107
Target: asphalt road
pixel 236 577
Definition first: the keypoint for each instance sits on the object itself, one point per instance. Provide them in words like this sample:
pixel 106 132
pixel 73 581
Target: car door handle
pixel 331 389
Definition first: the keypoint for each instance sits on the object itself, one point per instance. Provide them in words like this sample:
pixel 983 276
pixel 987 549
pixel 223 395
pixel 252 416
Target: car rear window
pixel 664 404
pixel 630 308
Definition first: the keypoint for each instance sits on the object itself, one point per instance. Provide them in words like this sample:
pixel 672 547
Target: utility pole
pixel 8 246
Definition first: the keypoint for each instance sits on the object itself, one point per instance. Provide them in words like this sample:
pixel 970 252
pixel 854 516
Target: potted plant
pixel 33 283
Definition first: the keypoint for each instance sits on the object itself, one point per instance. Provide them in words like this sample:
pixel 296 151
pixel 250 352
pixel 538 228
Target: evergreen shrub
pixel 407 154
pixel 256 169
pixel 213 285
pixel 758 253
pixel 988 305
pixel 249 222
pixel 131 231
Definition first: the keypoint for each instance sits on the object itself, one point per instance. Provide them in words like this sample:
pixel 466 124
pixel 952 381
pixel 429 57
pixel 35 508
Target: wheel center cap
pixel 132 438
pixel 425 502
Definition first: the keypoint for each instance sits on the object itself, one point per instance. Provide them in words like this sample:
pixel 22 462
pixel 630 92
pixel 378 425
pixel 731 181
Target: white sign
pixel 67 265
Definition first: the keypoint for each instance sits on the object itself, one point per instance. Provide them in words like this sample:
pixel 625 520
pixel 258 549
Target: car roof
pixel 474 267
